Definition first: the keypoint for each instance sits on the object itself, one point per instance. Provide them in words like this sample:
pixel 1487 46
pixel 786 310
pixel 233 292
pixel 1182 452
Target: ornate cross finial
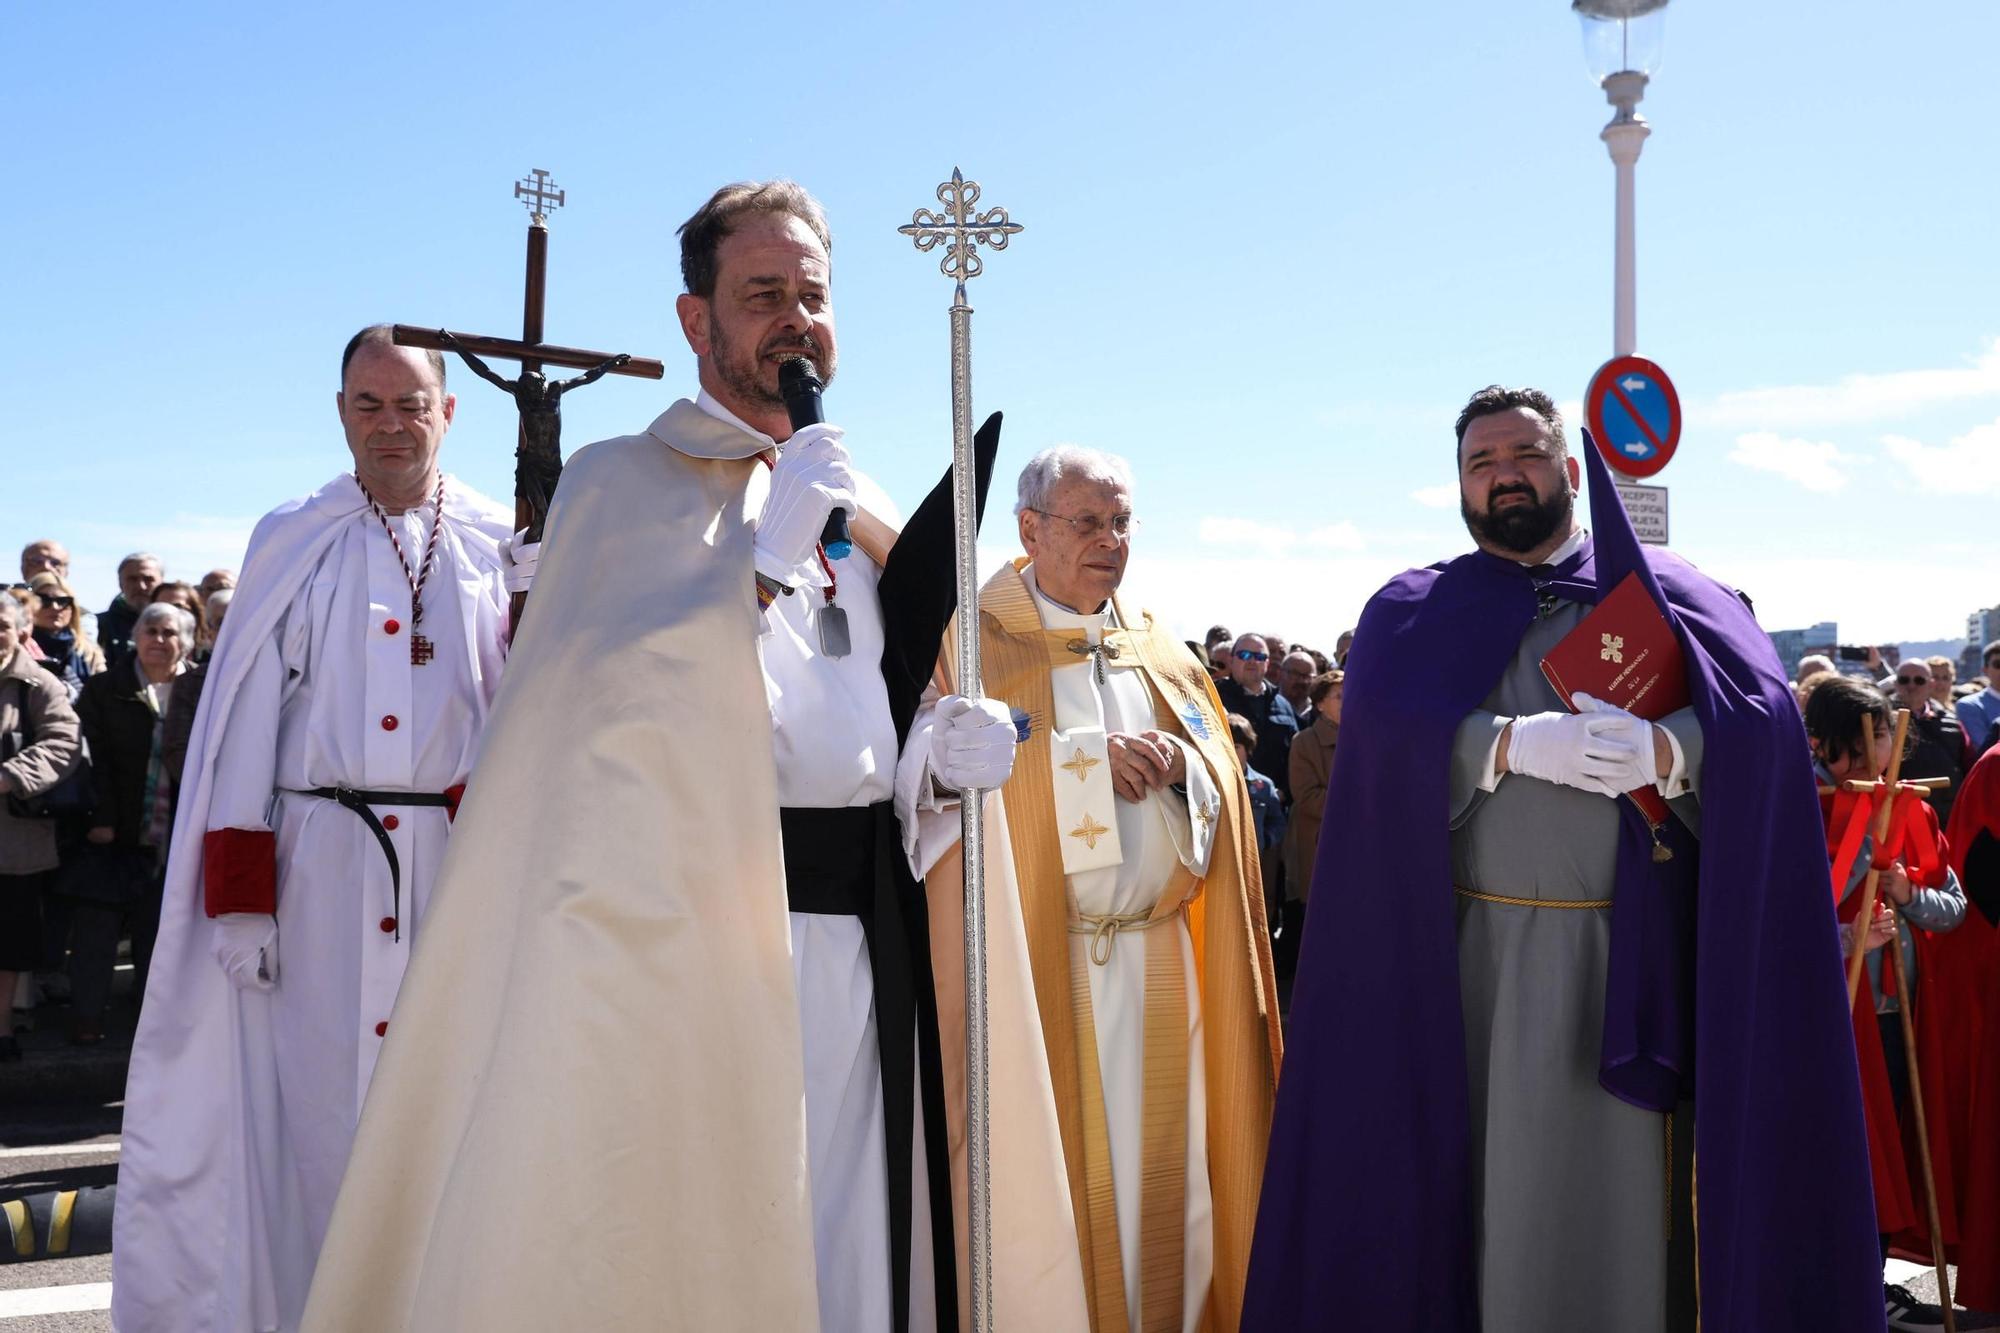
pixel 539 194
pixel 960 231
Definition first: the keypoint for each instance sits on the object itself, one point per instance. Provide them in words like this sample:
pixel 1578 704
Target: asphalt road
pixel 61 1110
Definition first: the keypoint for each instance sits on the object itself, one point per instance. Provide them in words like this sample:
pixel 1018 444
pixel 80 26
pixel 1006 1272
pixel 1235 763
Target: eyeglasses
pixel 59 603
pixel 1913 680
pixel 1090 526
pixel 1245 655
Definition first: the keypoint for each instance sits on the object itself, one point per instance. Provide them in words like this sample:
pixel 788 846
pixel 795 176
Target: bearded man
pixel 681 969
pixel 1501 1079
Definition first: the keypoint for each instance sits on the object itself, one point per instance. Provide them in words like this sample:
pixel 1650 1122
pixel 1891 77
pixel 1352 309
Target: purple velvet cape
pixel 1724 980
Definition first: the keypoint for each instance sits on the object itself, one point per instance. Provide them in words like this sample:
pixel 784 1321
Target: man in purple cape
pixel 1484 1118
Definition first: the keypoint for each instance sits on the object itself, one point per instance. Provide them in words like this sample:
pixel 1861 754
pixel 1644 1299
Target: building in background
pixel 1981 628
pixel 1792 644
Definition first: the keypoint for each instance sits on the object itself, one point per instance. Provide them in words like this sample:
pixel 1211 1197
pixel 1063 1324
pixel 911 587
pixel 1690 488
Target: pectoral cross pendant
pixel 421 649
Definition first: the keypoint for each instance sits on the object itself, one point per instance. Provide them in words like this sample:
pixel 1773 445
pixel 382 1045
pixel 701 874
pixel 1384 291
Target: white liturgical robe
pixel 242 1105
pixel 835 745
pixel 1129 868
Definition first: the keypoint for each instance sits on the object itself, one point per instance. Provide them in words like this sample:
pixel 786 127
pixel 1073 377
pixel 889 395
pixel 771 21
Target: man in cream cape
pixel 249 1070
pixel 1128 955
pixel 677 1012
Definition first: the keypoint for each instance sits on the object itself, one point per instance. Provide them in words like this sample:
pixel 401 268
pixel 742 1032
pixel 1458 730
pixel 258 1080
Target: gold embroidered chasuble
pixel 1235 987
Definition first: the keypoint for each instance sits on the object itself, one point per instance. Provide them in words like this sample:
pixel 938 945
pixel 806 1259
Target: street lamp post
pixel 1621 42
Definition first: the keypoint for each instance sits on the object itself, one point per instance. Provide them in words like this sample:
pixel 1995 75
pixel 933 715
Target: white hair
pixel 1049 467
pixel 1813 662
pixel 218 600
pixel 11 607
pixel 181 618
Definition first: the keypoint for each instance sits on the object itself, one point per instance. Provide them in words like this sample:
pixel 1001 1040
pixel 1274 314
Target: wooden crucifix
pixel 1889 789
pixel 538 452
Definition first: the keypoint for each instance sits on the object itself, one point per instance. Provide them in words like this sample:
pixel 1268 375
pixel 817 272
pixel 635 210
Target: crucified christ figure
pixel 539 400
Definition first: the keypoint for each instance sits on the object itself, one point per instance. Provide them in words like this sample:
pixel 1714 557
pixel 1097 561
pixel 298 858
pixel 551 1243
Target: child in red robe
pixel 1917 879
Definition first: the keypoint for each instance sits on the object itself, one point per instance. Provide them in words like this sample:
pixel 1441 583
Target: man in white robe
pixel 1126 820
pixel 742 1100
pixel 340 722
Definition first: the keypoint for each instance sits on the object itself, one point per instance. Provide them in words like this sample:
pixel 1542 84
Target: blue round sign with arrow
pixel 1634 414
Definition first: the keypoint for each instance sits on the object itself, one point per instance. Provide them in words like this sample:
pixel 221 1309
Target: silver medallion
pixel 834 640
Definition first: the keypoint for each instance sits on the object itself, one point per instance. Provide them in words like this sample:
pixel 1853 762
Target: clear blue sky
pixel 1269 251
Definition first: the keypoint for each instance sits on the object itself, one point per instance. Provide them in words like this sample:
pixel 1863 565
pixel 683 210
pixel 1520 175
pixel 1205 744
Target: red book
pixel 1624 653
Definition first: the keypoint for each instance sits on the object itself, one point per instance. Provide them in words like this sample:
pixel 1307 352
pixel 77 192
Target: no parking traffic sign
pixel 1634 414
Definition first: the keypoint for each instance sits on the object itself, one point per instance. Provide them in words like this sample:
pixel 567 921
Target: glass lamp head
pixel 1621 36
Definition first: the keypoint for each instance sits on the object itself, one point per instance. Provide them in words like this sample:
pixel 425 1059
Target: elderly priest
pixel 1134 1019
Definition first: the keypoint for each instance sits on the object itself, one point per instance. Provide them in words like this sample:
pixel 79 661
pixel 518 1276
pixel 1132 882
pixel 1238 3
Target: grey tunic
pixel 1570 1184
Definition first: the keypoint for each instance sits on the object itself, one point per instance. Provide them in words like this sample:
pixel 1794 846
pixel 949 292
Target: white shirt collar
pixel 1561 553
pixel 708 403
pixel 1057 616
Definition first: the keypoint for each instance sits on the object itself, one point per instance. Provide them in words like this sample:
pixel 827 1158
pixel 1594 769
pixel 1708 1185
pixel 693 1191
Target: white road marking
pixel 61 1150
pixel 1900 1272
pixel 72 1299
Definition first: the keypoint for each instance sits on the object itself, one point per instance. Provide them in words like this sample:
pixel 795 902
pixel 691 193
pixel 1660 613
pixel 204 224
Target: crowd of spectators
pixel 1282 702
pixel 94 717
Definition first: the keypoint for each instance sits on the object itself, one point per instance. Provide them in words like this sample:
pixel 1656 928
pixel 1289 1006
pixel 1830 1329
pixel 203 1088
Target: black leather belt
pixel 849 862
pixel 360 800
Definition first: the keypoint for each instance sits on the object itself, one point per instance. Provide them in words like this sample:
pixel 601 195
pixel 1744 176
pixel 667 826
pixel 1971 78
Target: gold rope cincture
pixel 1559 904
pixel 1103 930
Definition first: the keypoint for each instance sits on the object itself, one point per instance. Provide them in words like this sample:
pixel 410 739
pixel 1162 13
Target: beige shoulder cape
pixel 590 1110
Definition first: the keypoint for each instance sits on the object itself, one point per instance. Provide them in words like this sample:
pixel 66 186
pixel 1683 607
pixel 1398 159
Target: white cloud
pixel 1814 464
pixel 1968 466
pixel 1852 398
pixel 1444 496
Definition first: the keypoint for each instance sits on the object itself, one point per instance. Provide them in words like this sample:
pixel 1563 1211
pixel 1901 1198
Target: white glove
pixel 1627 730
pixel 813 477
pixel 521 556
pixel 1567 748
pixel 246 944
pixel 972 743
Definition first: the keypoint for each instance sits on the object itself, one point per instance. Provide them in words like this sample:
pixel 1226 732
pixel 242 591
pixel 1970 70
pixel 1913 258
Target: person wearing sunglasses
pixel 1248 691
pixel 1938 748
pixel 70 655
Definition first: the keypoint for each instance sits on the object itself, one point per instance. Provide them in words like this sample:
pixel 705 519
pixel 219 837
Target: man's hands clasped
pixel 1144 762
pixel 1600 749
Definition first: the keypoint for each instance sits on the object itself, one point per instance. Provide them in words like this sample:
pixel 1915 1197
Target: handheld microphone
pixel 799 385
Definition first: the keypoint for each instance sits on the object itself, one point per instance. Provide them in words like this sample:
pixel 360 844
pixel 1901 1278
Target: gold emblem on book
pixel 1614 649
